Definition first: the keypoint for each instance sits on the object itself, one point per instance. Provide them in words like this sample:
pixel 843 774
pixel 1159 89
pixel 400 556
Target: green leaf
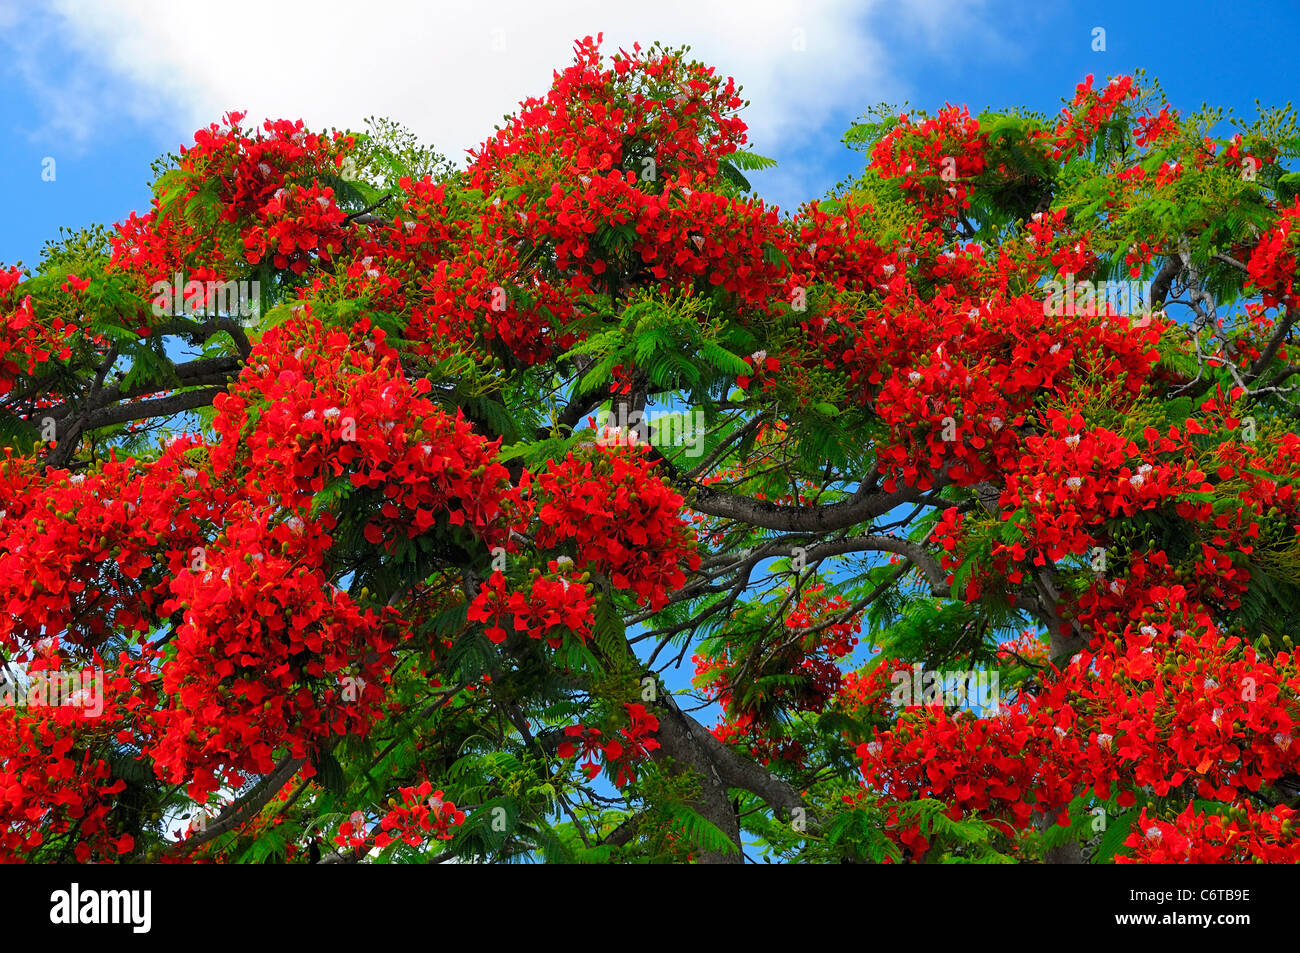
pixel 723 360
pixel 1113 838
pixel 751 161
pixel 699 830
pixel 17 433
pixel 331 775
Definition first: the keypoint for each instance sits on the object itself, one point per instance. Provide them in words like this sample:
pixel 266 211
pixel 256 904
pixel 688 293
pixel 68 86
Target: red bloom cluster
pixel 1245 835
pixel 553 604
pixel 834 249
pixel 867 695
pixel 82 555
pixel 594 119
pixel 934 160
pixel 581 741
pixel 636 745
pixel 25 341
pixel 991 766
pixel 1272 265
pixel 585 742
pixel 760 365
pixel 1087 112
pixel 315 404
pixel 619 519
pixel 1153 130
pixel 57 790
pixel 463 271
pixel 269 655
pixel 625 154
pixel 957 408
pixel 1072 479
pixel 293 225
pixel 421 816
pixel 1156 709
pixel 237 195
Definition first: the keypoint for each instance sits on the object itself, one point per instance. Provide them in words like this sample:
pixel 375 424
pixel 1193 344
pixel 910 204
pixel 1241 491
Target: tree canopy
pixel 361 505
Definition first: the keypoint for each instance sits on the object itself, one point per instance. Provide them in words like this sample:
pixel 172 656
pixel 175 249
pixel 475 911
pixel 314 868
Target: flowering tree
pixel 385 500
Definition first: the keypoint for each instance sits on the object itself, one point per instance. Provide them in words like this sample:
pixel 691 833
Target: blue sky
pixel 104 88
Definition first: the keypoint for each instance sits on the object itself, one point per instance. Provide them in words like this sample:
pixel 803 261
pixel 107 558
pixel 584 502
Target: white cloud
pixel 451 70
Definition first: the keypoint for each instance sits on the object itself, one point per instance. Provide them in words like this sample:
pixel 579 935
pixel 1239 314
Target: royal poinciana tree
pixel 360 575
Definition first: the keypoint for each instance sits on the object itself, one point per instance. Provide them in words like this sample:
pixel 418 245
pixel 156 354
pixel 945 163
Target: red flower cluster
pixel 1245 835
pixel 621 755
pixel 293 225
pixel 553 604
pixel 269 655
pixel 1087 113
pixel 1156 709
pixel 760 365
pixel 934 160
pixel 315 404
pixel 236 195
pixel 83 555
pixel 585 742
pixel 1272 265
pixel 421 816
pixel 57 790
pixel 611 173
pixel 619 519
pixel 1153 130
pixel 594 119
pixel 867 695
pixel 463 271
pixel 1003 768
pixel 25 341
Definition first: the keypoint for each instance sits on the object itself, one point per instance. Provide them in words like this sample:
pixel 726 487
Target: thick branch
pixel 1164 280
pixel 214 371
pixel 161 407
pixel 915 552
pixel 812 519
pixel 248 806
pixel 1274 345
pixel 200 333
